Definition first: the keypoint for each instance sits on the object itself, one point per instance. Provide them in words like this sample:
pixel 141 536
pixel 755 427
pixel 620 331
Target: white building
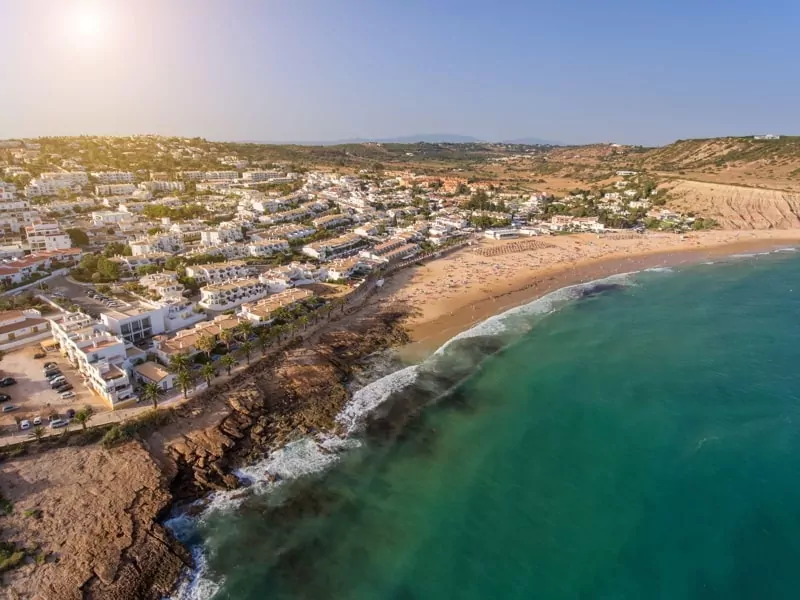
pixel 16 325
pixel 331 221
pixel 138 321
pixel 47 236
pixel 220 175
pixel 263 310
pixel 219 272
pixel 109 217
pixel 267 247
pixel 256 176
pixel 113 177
pixel 223 234
pixel 115 189
pixel 162 186
pixel 165 285
pixel 99 356
pixel 158 242
pixel 332 248
pixel 222 296
pixel 152 372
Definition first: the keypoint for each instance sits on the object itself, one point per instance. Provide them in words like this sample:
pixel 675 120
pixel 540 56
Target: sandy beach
pixel 451 294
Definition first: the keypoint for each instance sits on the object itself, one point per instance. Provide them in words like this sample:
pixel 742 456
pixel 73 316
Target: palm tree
pixel 38 433
pixel 207 371
pixel 278 331
pixel 178 362
pixel 245 330
pixel 264 340
pixel 303 321
pixel 247 348
pixel 152 392
pixel 228 361
pixel 206 343
pixel 226 337
pixel 185 381
pixel 84 415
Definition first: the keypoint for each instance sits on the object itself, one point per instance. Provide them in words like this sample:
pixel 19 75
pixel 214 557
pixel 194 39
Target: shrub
pixel 116 435
pixel 10 557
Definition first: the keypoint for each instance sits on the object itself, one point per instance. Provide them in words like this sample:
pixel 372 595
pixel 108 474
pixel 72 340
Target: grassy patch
pixel 10 556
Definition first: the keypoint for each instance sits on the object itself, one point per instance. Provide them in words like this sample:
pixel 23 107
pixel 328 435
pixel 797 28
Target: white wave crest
pixel 659 270
pixel 368 398
pixel 789 249
pixel 546 304
pixel 197 585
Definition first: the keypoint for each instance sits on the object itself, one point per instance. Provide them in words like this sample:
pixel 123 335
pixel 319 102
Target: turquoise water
pixel 640 443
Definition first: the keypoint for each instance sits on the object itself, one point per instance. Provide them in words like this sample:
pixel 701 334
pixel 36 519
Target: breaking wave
pixel 449 366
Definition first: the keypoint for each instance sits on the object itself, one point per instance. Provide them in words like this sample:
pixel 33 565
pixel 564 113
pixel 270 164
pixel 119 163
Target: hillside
pixel 772 164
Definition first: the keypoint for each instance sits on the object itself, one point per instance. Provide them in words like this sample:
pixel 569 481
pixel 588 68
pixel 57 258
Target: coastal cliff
pixel 297 392
pixel 88 517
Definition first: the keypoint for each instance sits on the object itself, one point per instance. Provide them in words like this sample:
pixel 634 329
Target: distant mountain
pixel 532 141
pixel 431 138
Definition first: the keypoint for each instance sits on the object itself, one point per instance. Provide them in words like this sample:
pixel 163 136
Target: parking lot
pixel 32 393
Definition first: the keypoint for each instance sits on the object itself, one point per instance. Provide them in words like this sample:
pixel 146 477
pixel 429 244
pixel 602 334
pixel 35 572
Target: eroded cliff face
pixel 92 514
pixel 298 391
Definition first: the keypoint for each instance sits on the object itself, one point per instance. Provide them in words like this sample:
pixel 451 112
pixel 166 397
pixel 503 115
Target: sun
pixel 88 25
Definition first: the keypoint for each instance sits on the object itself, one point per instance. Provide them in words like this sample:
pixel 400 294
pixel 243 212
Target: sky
pixel 576 71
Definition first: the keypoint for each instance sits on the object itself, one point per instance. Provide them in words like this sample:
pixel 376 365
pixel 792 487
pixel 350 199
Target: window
pixel 126 328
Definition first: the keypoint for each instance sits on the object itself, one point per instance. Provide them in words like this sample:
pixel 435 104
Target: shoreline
pixel 430 329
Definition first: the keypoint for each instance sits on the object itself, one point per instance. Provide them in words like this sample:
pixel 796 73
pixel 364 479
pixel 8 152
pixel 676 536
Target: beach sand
pixel 449 295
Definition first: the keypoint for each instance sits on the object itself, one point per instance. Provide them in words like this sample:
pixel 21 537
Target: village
pixel 145 283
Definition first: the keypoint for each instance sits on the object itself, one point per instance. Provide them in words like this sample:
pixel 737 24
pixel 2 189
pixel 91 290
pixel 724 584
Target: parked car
pixel 71 413
pixel 50 365
pixel 6 381
pixel 37 420
pixel 9 408
pixel 4 397
pixel 56 423
pixel 67 394
pixel 57 383
pixel 52 373
pixel 90 293
pixel 25 424
pixel 64 387
pixel 40 355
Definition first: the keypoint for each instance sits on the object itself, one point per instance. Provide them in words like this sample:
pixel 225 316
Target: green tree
pixel 247 348
pixel 228 361
pixel 78 237
pixel 185 381
pixel 206 343
pixel 84 415
pixel 37 433
pixel 226 337
pixel 207 372
pixel 152 392
pixel 245 329
pixel 264 340
pixel 179 362
pixel 116 249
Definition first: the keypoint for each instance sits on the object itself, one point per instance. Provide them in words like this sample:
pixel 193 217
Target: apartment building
pixel 185 341
pixel 289 232
pixel 162 186
pixel 287 276
pixel 220 175
pixel 158 242
pixel 113 177
pixel 263 311
pixel 165 285
pixel 137 321
pixel 257 176
pixel 191 175
pixel 331 221
pixel 15 213
pixel 296 214
pixel 219 272
pixel 46 236
pixel 267 247
pixel 224 233
pixel 99 356
pixel 333 248
pixel 16 325
pixel 223 296
pixel 115 189
pixel 109 217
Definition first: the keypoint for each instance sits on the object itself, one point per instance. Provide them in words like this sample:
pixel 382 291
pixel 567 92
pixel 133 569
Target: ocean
pixel 636 437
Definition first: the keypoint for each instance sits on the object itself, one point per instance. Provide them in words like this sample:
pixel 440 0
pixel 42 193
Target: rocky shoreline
pixel 116 548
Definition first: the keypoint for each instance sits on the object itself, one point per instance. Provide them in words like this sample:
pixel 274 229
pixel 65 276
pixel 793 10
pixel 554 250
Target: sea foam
pixel 310 455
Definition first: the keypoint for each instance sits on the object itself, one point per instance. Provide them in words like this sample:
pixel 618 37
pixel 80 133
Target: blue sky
pixel 577 71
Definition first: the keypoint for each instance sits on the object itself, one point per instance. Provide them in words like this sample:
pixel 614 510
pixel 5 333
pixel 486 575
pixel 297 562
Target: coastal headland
pixel 191 450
